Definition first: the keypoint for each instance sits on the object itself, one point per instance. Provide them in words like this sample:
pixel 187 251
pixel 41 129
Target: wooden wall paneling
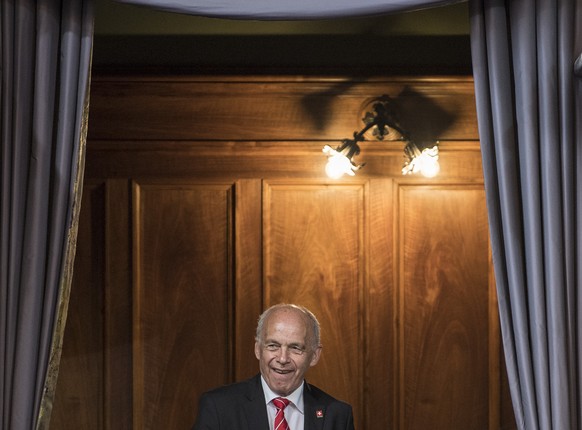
pixel 240 160
pixel 242 126
pixel 275 108
pixel 444 294
pixel 80 390
pixel 183 300
pixel 314 256
pixel 459 160
pixel 118 306
pixel 380 310
pixel 495 351
pixel 248 279
pixel 228 212
pixel 501 415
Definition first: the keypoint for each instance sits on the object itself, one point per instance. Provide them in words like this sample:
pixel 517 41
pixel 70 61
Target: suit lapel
pixel 314 411
pixel 255 410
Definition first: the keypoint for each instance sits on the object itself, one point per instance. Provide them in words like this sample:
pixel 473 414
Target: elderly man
pixel 287 343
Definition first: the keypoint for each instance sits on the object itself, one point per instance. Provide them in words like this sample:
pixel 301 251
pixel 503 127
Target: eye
pixel 272 347
pixel 296 349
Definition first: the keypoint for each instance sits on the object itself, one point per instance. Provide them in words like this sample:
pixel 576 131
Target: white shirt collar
pixel 296 397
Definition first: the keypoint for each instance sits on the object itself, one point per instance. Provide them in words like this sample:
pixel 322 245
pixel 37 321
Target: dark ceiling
pixel 137 38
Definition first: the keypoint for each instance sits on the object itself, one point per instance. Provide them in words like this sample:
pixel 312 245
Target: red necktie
pixel 280 421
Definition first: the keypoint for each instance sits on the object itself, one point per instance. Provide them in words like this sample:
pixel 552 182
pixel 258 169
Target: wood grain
pixel 182 298
pixel 274 109
pixel 206 201
pixel 314 256
pixel 444 304
pixel 80 394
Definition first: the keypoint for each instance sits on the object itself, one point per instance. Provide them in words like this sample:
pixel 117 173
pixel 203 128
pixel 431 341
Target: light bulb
pixel 337 164
pixel 428 162
pixel 430 168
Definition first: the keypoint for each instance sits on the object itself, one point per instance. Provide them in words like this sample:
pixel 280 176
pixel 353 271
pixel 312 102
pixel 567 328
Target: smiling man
pixel 287 344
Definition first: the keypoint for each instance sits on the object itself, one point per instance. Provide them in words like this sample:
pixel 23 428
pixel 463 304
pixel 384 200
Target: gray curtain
pixel 287 9
pixel 530 125
pixel 45 64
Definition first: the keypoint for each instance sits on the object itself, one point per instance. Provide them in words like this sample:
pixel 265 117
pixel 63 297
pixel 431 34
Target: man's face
pixel 286 351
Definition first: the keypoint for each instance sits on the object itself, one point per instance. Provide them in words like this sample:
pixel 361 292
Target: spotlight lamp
pixel 383 123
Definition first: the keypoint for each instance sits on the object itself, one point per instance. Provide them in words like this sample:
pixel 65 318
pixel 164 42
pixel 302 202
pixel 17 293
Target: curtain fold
pixel 528 105
pixel 46 52
pixel 578 66
pixel 287 10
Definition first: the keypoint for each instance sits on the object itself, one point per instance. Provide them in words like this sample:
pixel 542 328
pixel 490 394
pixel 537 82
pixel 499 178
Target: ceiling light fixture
pixel 383 123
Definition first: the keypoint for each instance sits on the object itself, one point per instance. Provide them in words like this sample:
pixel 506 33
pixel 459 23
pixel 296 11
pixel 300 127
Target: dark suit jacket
pixel 241 406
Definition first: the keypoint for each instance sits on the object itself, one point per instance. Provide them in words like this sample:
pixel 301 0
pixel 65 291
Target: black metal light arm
pixel 383 121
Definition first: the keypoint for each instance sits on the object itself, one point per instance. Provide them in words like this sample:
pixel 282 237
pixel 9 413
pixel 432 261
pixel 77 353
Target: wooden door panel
pixel 445 307
pixel 79 396
pixel 314 256
pixel 380 322
pixel 248 266
pixel 182 299
pixel 118 307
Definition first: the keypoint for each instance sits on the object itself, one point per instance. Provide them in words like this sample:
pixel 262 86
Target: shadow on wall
pixel 417 114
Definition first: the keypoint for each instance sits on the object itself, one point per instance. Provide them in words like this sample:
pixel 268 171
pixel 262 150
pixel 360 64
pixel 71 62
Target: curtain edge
pixel 51 377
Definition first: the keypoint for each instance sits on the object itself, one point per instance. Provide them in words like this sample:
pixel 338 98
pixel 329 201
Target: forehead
pixel 288 323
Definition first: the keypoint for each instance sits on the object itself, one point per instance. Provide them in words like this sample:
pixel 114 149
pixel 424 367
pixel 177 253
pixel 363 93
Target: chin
pixel 280 387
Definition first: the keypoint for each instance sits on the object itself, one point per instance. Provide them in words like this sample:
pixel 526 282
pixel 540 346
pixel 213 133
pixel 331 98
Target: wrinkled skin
pixel 284 370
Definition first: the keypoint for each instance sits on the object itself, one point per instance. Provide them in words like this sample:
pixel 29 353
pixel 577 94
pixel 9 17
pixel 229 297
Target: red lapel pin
pixel 319 413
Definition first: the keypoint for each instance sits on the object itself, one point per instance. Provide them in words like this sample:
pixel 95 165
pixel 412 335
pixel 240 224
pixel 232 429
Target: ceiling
pixel 134 37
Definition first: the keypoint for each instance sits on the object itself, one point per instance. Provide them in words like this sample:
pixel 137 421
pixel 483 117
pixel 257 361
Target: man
pixel 287 343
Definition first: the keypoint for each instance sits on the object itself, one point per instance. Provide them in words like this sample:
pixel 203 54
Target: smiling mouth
pixel 282 371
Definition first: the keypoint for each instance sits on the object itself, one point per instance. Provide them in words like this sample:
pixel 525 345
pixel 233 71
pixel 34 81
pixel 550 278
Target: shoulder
pixel 318 404
pixel 247 388
pixel 321 397
pixel 239 405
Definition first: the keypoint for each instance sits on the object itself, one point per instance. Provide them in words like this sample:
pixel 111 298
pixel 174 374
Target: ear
pixel 257 350
pixel 316 355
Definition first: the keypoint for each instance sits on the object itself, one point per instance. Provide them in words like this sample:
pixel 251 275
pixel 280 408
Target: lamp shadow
pixel 318 106
pixel 419 115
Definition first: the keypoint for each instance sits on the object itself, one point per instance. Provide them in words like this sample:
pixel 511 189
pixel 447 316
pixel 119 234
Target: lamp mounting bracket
pixel 382 120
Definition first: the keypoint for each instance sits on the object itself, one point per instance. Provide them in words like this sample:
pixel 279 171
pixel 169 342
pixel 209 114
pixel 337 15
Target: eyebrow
pixel 300 345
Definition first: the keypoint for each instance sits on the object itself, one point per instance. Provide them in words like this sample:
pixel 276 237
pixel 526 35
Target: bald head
pixel 311 322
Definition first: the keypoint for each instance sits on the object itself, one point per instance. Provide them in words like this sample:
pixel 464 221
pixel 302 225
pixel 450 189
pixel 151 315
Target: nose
pixel 283 355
